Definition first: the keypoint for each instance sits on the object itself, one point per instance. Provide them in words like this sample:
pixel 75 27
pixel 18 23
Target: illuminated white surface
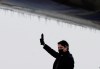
pixel 20 47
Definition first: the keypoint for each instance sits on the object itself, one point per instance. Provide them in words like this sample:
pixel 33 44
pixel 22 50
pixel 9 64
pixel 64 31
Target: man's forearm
pixel 50 51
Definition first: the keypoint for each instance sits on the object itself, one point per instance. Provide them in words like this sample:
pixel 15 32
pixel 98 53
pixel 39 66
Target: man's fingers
pixel 42 36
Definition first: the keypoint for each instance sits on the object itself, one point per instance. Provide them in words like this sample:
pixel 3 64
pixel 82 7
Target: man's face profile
pixel 61 48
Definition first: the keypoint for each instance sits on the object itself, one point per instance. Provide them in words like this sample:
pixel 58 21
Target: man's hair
pixel 64 43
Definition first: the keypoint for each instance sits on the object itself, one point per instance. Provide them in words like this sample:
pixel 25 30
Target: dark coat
pixel 64 61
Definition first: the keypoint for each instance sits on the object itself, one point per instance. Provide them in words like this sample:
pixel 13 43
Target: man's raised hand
pixel 42 39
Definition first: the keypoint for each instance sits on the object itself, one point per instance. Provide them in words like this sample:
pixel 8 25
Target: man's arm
pixel 47 48
pixel 51 51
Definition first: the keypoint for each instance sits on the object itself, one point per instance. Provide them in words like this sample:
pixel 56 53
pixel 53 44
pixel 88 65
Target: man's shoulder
pixel 69 55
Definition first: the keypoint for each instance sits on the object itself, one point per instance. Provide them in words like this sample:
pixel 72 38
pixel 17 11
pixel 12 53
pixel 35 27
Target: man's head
pixel 63 46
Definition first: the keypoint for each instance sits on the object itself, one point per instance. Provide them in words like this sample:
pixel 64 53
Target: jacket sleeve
pixel 50 51
pixel 70 62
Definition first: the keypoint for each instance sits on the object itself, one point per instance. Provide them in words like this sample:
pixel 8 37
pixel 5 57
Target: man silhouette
pixel 64 60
